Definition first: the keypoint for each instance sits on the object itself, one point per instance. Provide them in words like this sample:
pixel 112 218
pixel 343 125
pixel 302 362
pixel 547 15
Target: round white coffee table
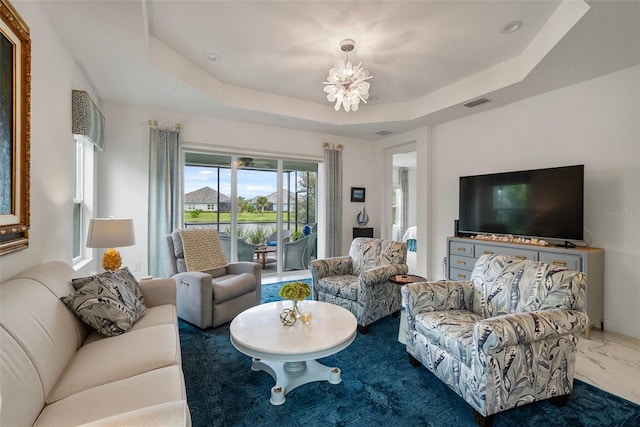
pixel 288 353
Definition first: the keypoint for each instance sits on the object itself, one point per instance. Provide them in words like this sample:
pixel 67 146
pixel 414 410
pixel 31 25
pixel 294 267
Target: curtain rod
pixel 334 147
pixel 165 126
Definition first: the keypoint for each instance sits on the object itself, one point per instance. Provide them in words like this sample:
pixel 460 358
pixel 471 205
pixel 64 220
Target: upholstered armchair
pixel 297 254
pixel 360 282
pixel 215 296
pixel 246 251
pixel 505 338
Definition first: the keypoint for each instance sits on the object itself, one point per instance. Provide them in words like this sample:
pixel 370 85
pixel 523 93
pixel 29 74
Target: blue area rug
pixel 379 388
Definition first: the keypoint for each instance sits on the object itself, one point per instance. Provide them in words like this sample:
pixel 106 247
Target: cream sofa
pixel 57 371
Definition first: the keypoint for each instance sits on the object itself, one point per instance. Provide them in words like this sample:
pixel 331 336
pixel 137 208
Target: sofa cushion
pixel 99 303
pixel 232 286
pixel 145 390
pixel 505 285
pixel 452 330
pixel 365 253
pixel 341 286
pixel 166 414
pixel 392 252
pixel 20 384
pixel 115 358
pixel 158 315
pixel 43 326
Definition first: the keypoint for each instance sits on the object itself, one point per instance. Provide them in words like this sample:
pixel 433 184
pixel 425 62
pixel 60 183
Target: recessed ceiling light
pixel 512 27
pixel 213 57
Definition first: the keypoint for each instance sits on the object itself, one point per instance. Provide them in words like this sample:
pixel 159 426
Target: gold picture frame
pixel 15 133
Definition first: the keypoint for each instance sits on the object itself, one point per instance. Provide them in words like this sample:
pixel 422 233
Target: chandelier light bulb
pixel 347 84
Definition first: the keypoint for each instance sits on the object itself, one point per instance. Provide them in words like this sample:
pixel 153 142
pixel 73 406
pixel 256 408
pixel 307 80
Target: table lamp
pixel 108 233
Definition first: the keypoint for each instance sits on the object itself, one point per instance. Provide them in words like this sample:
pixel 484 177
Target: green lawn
pixel 225 217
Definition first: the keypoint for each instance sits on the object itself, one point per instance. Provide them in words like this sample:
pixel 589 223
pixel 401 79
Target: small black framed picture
pixel 357 194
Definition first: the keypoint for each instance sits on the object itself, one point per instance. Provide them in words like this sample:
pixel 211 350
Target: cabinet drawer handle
pixel 460 275
pixel 461 249
pixel 462 262
pixel 559 263
pixel 520 257
pixel 488 253
pixel 184 282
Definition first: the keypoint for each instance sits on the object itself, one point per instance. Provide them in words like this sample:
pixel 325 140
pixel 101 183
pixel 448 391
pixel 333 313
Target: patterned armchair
pixel 506 338
pixel 360 282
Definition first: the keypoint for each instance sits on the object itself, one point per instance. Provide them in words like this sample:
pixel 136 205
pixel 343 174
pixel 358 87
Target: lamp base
pixel 111 260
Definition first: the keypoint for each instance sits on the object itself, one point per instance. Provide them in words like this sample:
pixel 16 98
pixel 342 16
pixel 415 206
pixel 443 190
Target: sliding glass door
pixel 240 196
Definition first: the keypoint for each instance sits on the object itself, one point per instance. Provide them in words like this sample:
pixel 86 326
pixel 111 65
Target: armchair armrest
pixel 522 328
pixel 195 298
pixel 158 291
pixel 437 296
pixel 381 274
pixel 245 267
pixel 336 266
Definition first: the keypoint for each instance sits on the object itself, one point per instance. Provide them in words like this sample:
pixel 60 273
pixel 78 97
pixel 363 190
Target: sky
pixel 251 183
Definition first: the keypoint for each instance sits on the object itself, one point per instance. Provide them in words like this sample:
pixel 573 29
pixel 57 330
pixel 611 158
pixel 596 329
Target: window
pixel 82 195
pixel 209 182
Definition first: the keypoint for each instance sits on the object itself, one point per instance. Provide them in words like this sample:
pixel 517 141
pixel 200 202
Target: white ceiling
pixel 427 57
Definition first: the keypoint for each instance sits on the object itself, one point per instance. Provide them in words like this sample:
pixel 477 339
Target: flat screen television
pixel 540 203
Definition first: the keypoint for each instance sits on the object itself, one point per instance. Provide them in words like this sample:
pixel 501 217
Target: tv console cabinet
pixel 462 253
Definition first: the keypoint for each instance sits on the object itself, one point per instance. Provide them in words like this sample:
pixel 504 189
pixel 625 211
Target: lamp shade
pixel 110 233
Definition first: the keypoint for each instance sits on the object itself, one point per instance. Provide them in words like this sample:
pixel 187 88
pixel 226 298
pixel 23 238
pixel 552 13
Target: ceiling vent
pixel 384 133
pixel 477 102
pixel 86 119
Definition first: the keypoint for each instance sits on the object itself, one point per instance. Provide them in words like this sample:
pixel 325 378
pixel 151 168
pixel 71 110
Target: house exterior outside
pixel 206 199
pixel 289 205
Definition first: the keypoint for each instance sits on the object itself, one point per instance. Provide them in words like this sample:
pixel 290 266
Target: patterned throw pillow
pixel 98 304
pixel 121 283
pixel 132 284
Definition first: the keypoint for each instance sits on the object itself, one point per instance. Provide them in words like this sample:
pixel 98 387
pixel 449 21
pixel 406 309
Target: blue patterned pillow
pixel 98 303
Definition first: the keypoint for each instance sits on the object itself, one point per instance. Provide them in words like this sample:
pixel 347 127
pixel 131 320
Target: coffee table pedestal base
pixel 289 375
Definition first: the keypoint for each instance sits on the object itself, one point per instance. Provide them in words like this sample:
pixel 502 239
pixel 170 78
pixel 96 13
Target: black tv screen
pixel 540 203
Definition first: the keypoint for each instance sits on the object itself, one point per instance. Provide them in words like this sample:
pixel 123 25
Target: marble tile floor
pixel 608 360
pixel 611 362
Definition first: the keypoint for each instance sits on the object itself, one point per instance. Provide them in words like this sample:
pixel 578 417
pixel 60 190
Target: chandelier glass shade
pixel 347 84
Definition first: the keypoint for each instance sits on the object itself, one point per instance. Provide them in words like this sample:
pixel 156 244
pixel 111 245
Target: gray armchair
pixel 297 254
pixel 246 251
pixel 503 339
pixel 360 282
pixel 211 298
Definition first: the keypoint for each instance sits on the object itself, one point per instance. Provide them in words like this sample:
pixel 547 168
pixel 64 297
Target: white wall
pixel 123 177
pixel 595 123
pixel 53 75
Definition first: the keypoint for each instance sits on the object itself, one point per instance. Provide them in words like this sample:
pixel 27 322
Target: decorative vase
pixel 362 218
pixel 296 309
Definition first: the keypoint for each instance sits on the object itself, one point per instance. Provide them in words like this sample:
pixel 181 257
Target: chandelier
pixel 347 84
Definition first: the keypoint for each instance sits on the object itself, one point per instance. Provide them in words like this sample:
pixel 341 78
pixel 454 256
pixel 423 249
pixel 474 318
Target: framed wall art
pixel 15 105
pixel 357 194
